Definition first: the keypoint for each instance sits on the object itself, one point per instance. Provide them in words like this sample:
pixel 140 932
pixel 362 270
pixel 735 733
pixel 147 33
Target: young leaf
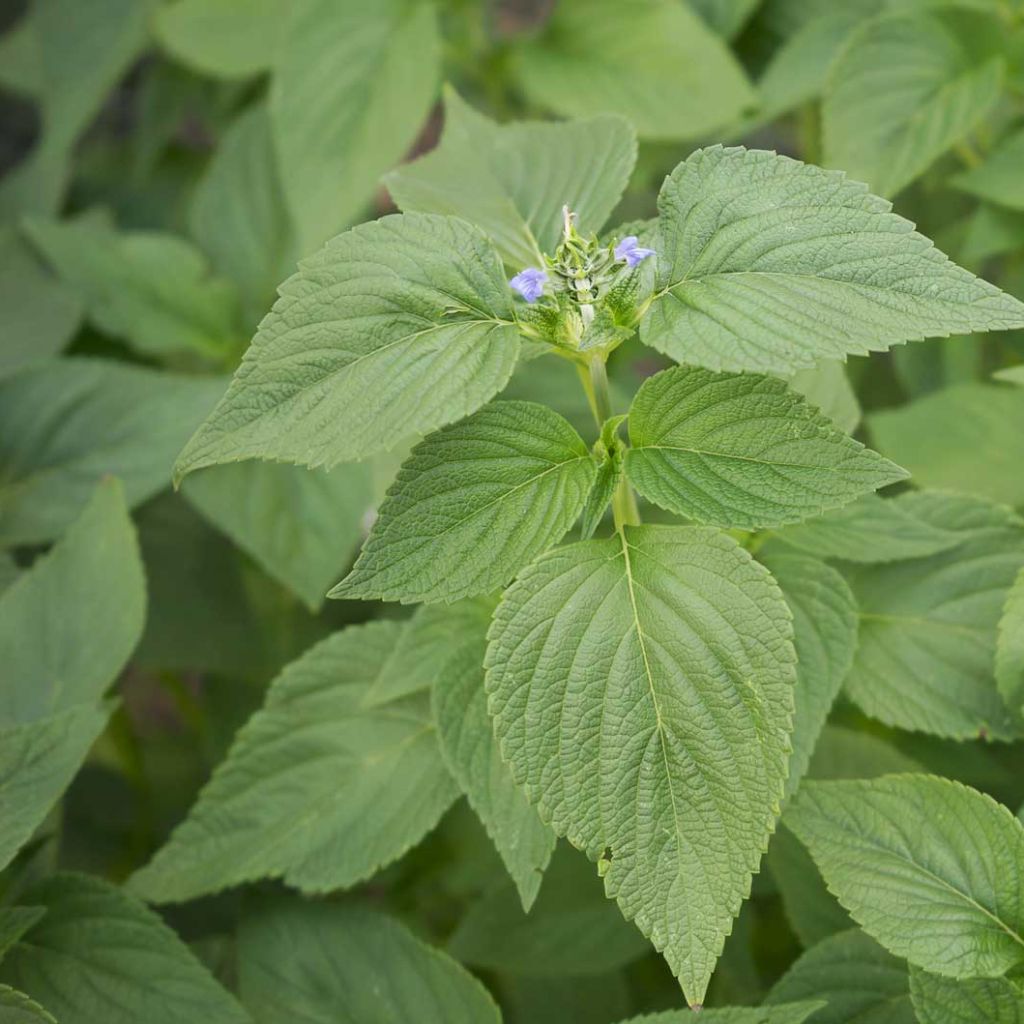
pixel 65 425
pixel 304 963
pixel 768 264
pixel 927 866
pixel 394 328
pixel 641 689
pixel 513 180
pixel 472 504
pixel 470 750
pixel 998 179
pixel 939 1000
pixel 654 61
pixel 1010 649
pixel 17 1008
pixel 98 955
pixel 323 786
pixel 903 91
pixel 936 618
pixel 742 450
pixel 609 451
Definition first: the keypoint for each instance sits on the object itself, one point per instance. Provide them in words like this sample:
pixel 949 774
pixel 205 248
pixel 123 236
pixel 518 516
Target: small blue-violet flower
pixel 631 252
pixel 530 283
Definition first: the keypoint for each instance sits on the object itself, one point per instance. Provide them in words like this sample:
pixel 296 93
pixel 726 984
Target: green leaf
pixel 928 867
pixel 792 1013
pixel 768 264
pixel 641 689
pixel 963 438
pixel 65 425
pixel 825 635
pixel 472 504
pixel 870 529
pixel 470 750
pixel 395 328
pixel 302 526
pixel 1012 374
pixel 1010 649
pixel 571 930
pixel 99 955
pixel 512 180
pixel 150 289
pixel 352 85
pixel 844 753
pixel 827 386
pixel 939 1000
pixel 14 922
pixel 858 978
pixel 314 962
pixel 324 785
pixel 68 625
pixel 742 450
pixel 654 62
pixel 998 179
pixel 223 38
pixel 609 451
pixel 902 92
pixel 934 619
pixel 726 17
pixel 17 1008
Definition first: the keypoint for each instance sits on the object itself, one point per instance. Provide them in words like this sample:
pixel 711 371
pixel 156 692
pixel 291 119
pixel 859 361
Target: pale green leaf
pixel 65 425
pixel 1010 649
pixel 901 93
pixel 69 624
pixel 99 955
pixel 742 450
pixel 928 867
pixel 726 17
pixel 998 179
pixel 1012 374
pixel 352 85
pixel 641 689
pixel 312 963
pixel 395 328
pixel 17 1008
pixel 791 1013
pixel 966 438
pixel 653 61
pixel 768 264
pixel 152 290
pixel 939 1000
pixel 472 504
pixel 470 750
pixel 513 180
pixel 862 983
pixel 827 386
pixel 301 525
pixel 323 785
pixel 991 231
pixel 927 636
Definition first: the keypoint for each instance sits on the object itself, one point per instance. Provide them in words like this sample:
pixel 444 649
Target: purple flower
pixel 632 253
pixel 530 283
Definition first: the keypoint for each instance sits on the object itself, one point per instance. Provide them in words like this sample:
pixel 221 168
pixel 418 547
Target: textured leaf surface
pixel 470 750
pixel 512 180
pixel 17 1008
pixel 472 504
pixel 393 329
pixel 67 424
pixel 742 450
pixel 311 963
pixel 768 264
pixel 927 866
pixel 935 619
pixel 902 92
pixel 939 1000
pixel 793 1013
pixel 99 955
pixel 225 38
pixel 641 689
pixel 683 81
pixel 328 782
pixel 1010 649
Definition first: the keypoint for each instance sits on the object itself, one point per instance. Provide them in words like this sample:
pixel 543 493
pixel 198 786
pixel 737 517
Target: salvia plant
pixel 514 629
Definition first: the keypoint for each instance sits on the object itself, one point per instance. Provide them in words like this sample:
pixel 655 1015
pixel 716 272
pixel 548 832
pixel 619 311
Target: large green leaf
pixel 828 387
pixel 742 450
pixel 928 625
pixel 395 328
pixel 965 438
pixel 470 750
pixel 1010 649
pixel 791 1013
pixel 927 866
pixel 998 179
pixel 328 782
pixel 641 689
pixel 902 92
pixel 17 1008
pixel 513 180
pixel 98 955
pixel 939 1000
pixel 351 87
pixel 653 61
pixel 311 963
pixel 768 264
pixel 65 425
pixel 473 504
pixel 225 38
